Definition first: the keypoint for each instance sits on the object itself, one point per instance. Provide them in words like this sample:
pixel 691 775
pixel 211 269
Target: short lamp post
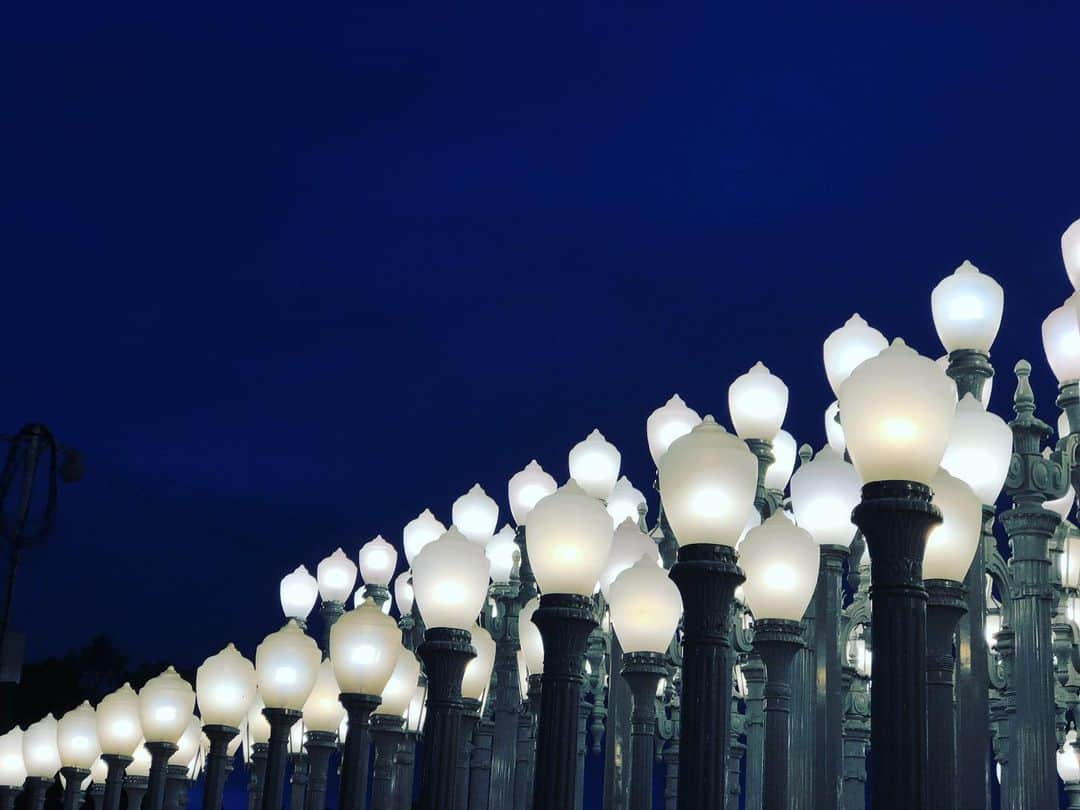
pixel 336 578
pixel 474 685
pixel 645 609
pixel 388 726
pixel 166 704
pixel 12 768
pixel 378 560
pixel 224 691
pixel 120 734
pixel 322 715
pixel 77 742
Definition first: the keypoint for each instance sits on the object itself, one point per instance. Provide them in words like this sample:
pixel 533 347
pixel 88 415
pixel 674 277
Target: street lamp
pixel 708 481
pixel 645 609
pixel 846 348
pixel 378 561
pixel 120 734
pixel 450 581
pixel 897 409
pixel 625 502
pixel 336 577
pixel 628 545
pixel 418 532
pixel 298 592
pixel 503 554
pixel 77 743
pixel 321 716
pixel 256 743
pixel 671 421
pixel 474 686
pixel 41 757
pixel 475 514
pixel 594 465
pixel 12 768
pixel 781 564
pixel 165 705
pixel 388 727
pixel 286 665
pixel 224 691
pixel 1068 768
pixel 570 537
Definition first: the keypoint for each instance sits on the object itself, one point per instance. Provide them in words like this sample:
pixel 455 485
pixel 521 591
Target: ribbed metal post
pixel 73 791
pixel 856 737
pixel 642 672
pixel 258 775
pixel 114 780
pixel 945 608
pixel 357 750
pixel 525 751
pixel 159 762
pixel 506 697
pixel 777 641
pixel 135 788
pixel 216 759
pixel 480 765
pixel 320 746
pixel 829 694
pixel 277 754
pixel 470 716
pixel 386 733
pixel 754 672
pixel 405 774
pixel 298 780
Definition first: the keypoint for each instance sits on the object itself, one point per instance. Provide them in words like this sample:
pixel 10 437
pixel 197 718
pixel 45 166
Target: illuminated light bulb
pixel 526 488
pixel 785 452
pixel 848 347
pixel 570 536
pixel 364 646
pixel 336 577
pixel 378 560
pixel 625 502
pixel 594 465
pixel 757 402
pixel 476 514
pixel 298 592
pixel 967 309
pixel 420 531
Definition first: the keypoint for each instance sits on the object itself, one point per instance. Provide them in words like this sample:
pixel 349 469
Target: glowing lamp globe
pixel 823 493
pixel 780 561
pixel 140 764
pixel 785 451
pixel 336 577
pixel 165 704
pixel 979 449
pixel 834 431
pixel 1062 506
pixel 753 520
pixel 526 488
pixel 951 545
pixel 1070 560
pixel 570 535
pixel 898 410
pixel 286 665
pixel 1070 253
pixel 322 710
pixel 667 423
pixel 757 402
pixel 478 671
pixel 414 717
pixel 1068 764
pixel 187 747
pixel 420 531
pixel 77 739
pixel 645 607
pixel 708 479
pixel 503 554
pixel 118 727
pixel 625 501
pixel 475 514
pixel 848 347
pixel 401 686
pixel 627 547
pixel 364 646
pixel 298 593
pixel 403 593
pixel 12 769
pixel 532 644
pixel 99 771
pixel 1061 340
pixel 450 580
pixel 594 465
pixel 41 756
pixel 258 727
pixel 967 309
pixel 378 560
pixel 224 688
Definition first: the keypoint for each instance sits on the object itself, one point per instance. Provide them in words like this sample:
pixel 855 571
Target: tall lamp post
pixel 336 577
pixel 166 704
pixel 388 726
pixel 474 686
pixel 322 715
pixel 77 742
pixel 41 758
pixel 224 691
pixel 120 734
pixel 378 560
pixel 12 768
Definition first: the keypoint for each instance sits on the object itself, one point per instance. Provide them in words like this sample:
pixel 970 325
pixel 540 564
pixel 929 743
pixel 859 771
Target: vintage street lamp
pixel 418 532
pixel 388 726
pixel 897 409
pixel 475 514
pixel 77 742
pixel 224 691
pixel 708 481
pixel 378 560
pixel 780 561
pixel 645 609
pixel 256 744
pixel 671 421
pixel 626 502
pixel 298 592
pixel 570 535
pixel 182 766
pixel 450 579
pixel 137 776
pixel 594 465
pixel 757 402
pixel 286 665
pixel 846 348
pixel 1068 768
pixel 336 576
pixel 120 734
pixel 12 768
pixel 322 715
pixel 364 647
pixel 628 545
pixel 166 704
pixel 41 757
pixel 474 686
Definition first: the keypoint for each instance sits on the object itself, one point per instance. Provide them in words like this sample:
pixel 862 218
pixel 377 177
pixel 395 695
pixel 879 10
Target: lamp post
pixel 137 776
pixel 179 770
pixel 1068 769
pixel 388 726
pixel 322 715
pixel 336 577
pixel 41 758
pixel 378 560
pixel 474 685
pixel 77 743
pixel 12 768
pixel 298 591
pixel 256 745
pixel 224 691
pixel 120 734
pixel 897 410
pixel 532 656
pixel 406 756
pixel 166 704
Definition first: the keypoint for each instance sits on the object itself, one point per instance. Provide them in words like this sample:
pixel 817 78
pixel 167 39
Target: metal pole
pixel 320 746
pixel 617 777
pixel 114 780
pixel 803 717
pixel 856 737
pixel 73 792
pixel 298 780
pixel 526 746
pixel 159 762
pixel 216 759
pixel 945 608
pixel 776 641
pixel 354 759
pixel 470 716
pixel 258 775
pixel 829 695
pixel 480 767
pixel 330 612
pixel 445 653
pixel 277 752
pixel 403 777
pixel 754 672
pixel 507 696
pixel 642 672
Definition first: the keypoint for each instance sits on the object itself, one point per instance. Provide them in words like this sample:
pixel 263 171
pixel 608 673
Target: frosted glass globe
pixel 378 560
pixel 12 769
pixel 570 535
pixel 780 561
pixel 834 431
pixel 478 670
pixel 258 727
pixel 140 764
pixel 1061 340
pixel 753 520
pixel 99 771
pixel 1070 253
pixel 526 488
pixel 476 514
pixel 708 479
pixel 225 687
pixel 401 686
pixel 286 665
pixel 627 547
pixel 76 737
pixel 119 730
pixel 1062 506
pixel 824 491
pixel 414 717
pixel 298 593
pixel 450 581
pixel 403 593
pixel 757 402
pixel 187 747
pixel 420 531
pixel 322 710
pixel 594 465
pixel 1070 561
pixel 785 451
pixel 847 347
pixel 967 309
pixel 667 423
pixel 336 576
pixel 502 552
pixel 364 648
pixel 165 704
pixel 41 756
pixel 624 502
pixel 1068 764
pixel 951 545
pixel 532 644
pixel 898 410
pixel 979 449
pixel 645 607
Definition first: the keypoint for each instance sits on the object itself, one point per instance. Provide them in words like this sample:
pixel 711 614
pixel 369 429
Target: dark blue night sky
pixel 288 275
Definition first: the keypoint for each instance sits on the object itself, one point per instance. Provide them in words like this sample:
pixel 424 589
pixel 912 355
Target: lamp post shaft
pixel 159 761
pixel 330 612
pixel 829 696
pixel 754 672
pixel 526 746
pixel 216 760
pixel 802 721
pixel 480 766
pixel 354 759
pixel 258 775
pixel 945 608
pixel 777 641
pixel 617 733
pixel 8 795
pixel 403 775
pixel 73 778
pixel 320 746
pixel 176 787
pixel 507 696
pixel 856 736
pixel 1072 795
pixel 642 672
pixel 114 780
pixel 386 734
pixel 277 752
pixel 298 780
pixel 469 718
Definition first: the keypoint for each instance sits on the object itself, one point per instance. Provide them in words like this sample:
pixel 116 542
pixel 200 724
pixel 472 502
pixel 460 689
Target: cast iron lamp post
pixel 298 592
pixel 378 560
pixel 120 734
pixel 645 609
pixel 224 691
pixel 256 744
pixel 336 577
pixel 388 726
pixel 166 704
pixel 531 655
pixel 897 410
pixel 182 765
pixel 12 768
pixel 474 686
pixel 322 715
pixel 41 757
pixel 450 580
pixel 77 743
pixel 708 481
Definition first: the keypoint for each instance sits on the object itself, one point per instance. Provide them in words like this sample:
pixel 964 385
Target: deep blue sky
pixel 287 276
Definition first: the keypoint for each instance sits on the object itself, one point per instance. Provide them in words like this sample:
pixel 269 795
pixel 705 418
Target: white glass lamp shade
pixel 834 431
pixel 785 451
pixel 336 576
pixel 848 347
pixel 401 686
pixel 758 402
pixel 532 644
pixel 364 646
pixel 224 688
pixel 979 449
pixel 187 747
pixel 234 743
pixel 645 607
pixel 450 581
pixel 476 514
pixel 594 465
pixel 1063 428
pixel 322 710
pixel 478 670
pixel 99 771
pixel 707 483
pixel 298 593
pixel 667 423
pixel 1070 560
pixel 76 737
pixel 286 665
pixel 41 755
pixel 1061 340
pixel 823 493
pixel 951 545
pixel 967 309
pixel 378 559
pixel 502 552
pixel 625 502
pixel 1068 764
pixel 1062 506
pixel 403 593
pixel 414 717
pixel 780 561
pixel 526 488
pixel 258 727
pixel 1070 253
pixel 165 704
pixel 12 769
pixel 753 520
pixel 420 531
pixel 140 764
pixel 119 730
pixel 570 535
pixel 898 410
pixel 627 547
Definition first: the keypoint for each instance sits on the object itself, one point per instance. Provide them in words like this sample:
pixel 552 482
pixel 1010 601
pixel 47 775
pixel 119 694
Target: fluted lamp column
pixel 1068 768
pixel 224 691
pixel 137 777
pixel 322 714
pixel 119 733
pixel 388 726
pixel 531 663
pixel 182 765
pixel 474 686
pixel 336 577
pixel 166 704
pixel 256 743
pixel 12 768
